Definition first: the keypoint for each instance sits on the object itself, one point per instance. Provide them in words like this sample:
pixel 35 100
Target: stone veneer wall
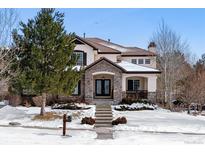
pixel 103 66
pixel 152 97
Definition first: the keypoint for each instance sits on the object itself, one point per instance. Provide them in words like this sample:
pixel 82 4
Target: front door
pixel 103 87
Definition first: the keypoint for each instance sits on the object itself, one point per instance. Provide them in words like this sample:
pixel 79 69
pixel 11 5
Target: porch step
pixel 103 125
pixel 103 101
pixel 103 121
pixel 103 108
pixel 104 118
pixel 103 112
pixel 103 115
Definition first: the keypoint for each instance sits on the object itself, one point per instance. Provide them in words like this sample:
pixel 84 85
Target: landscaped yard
pixel 25 116
pixel 143 127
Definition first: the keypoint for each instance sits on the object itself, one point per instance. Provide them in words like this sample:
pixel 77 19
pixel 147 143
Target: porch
pixel 138 86
pixel 138 94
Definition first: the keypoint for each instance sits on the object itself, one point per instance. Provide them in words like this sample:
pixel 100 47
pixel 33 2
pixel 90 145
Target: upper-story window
pixel 81 57
pixel 140 61
pixel 147 61
pixel 134 61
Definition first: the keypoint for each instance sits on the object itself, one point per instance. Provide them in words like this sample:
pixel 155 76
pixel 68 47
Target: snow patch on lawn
pixel 25 116
pixel 160 120
pixel 4 102
pixel 9 113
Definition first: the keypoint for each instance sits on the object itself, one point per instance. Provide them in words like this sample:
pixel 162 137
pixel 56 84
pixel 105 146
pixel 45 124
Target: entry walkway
pixel 103 124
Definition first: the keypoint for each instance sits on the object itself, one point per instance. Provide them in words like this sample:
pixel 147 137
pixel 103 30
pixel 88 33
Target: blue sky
pixel 133 27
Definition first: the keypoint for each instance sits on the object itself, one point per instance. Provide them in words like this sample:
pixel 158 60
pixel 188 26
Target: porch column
pixel 152 83
pixel 152 87
pixel 123 83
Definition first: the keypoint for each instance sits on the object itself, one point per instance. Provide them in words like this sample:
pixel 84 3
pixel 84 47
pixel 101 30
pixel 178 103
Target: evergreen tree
pixel 45 59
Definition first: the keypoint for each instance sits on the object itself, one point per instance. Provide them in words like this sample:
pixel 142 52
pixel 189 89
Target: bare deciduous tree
pixel 171 58
pixel 8 18
pixel 194 86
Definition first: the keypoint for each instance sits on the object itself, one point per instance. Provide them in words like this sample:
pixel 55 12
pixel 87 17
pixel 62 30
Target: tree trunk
pixel 43 104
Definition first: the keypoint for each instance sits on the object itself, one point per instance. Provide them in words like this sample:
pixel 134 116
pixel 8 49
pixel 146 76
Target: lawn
pixel 143 127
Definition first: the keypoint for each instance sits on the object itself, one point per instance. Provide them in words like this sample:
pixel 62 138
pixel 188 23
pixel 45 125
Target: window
pixel 147 61
pixel 102 87
pixel 140 61
pixel 77 89
pixel 134 61
pixel 133 85
pixel 81 57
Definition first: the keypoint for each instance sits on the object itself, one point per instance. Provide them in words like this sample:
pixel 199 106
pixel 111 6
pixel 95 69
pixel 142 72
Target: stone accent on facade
pixel 123 94
pixel 152 97
pixel 103 66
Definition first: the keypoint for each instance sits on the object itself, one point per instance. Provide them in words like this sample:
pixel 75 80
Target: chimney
pixel 152 47
pixel 83 35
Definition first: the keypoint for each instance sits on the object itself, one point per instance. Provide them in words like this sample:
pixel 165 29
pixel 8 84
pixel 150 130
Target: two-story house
pixel 114 72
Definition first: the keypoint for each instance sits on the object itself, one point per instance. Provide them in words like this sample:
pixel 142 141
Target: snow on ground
pixel 41 136
pixel 161 120
pixel 143 127
pixel 25 116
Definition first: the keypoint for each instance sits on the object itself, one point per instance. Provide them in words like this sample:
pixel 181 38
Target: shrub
pixel 127 101
pixel 69 106
pixel 123 120
pixel 131 101
pixel 88 120
pixel 120 120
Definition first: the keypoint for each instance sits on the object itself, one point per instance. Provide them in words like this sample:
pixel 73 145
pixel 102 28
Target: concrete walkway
pixel 103 123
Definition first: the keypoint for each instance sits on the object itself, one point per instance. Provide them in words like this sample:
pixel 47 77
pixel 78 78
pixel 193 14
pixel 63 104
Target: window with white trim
pixel 147 61
pixel 140 61
pixel 134 61
pixel 80 58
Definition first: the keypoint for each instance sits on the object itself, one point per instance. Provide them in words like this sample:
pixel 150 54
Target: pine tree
pixel 45 58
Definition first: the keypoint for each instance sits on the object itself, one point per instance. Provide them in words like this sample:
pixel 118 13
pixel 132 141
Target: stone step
pixel 104 118
pixel 103 125
pixel 103 121
pixel 108 107
pixel 103 112
pixel 103 102
pixel 103 108
pixel 103 115
pixel 104 105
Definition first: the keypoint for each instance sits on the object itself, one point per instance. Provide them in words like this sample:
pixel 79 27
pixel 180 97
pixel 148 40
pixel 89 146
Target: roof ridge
pixel 104 46
pixel 106 59
pixel 105 41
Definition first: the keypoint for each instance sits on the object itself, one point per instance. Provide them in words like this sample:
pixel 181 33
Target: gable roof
pixel 127 67
pixel 102 49
pixel 105 59
pixel 110 47
pixel 135 51
pixel 85 42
